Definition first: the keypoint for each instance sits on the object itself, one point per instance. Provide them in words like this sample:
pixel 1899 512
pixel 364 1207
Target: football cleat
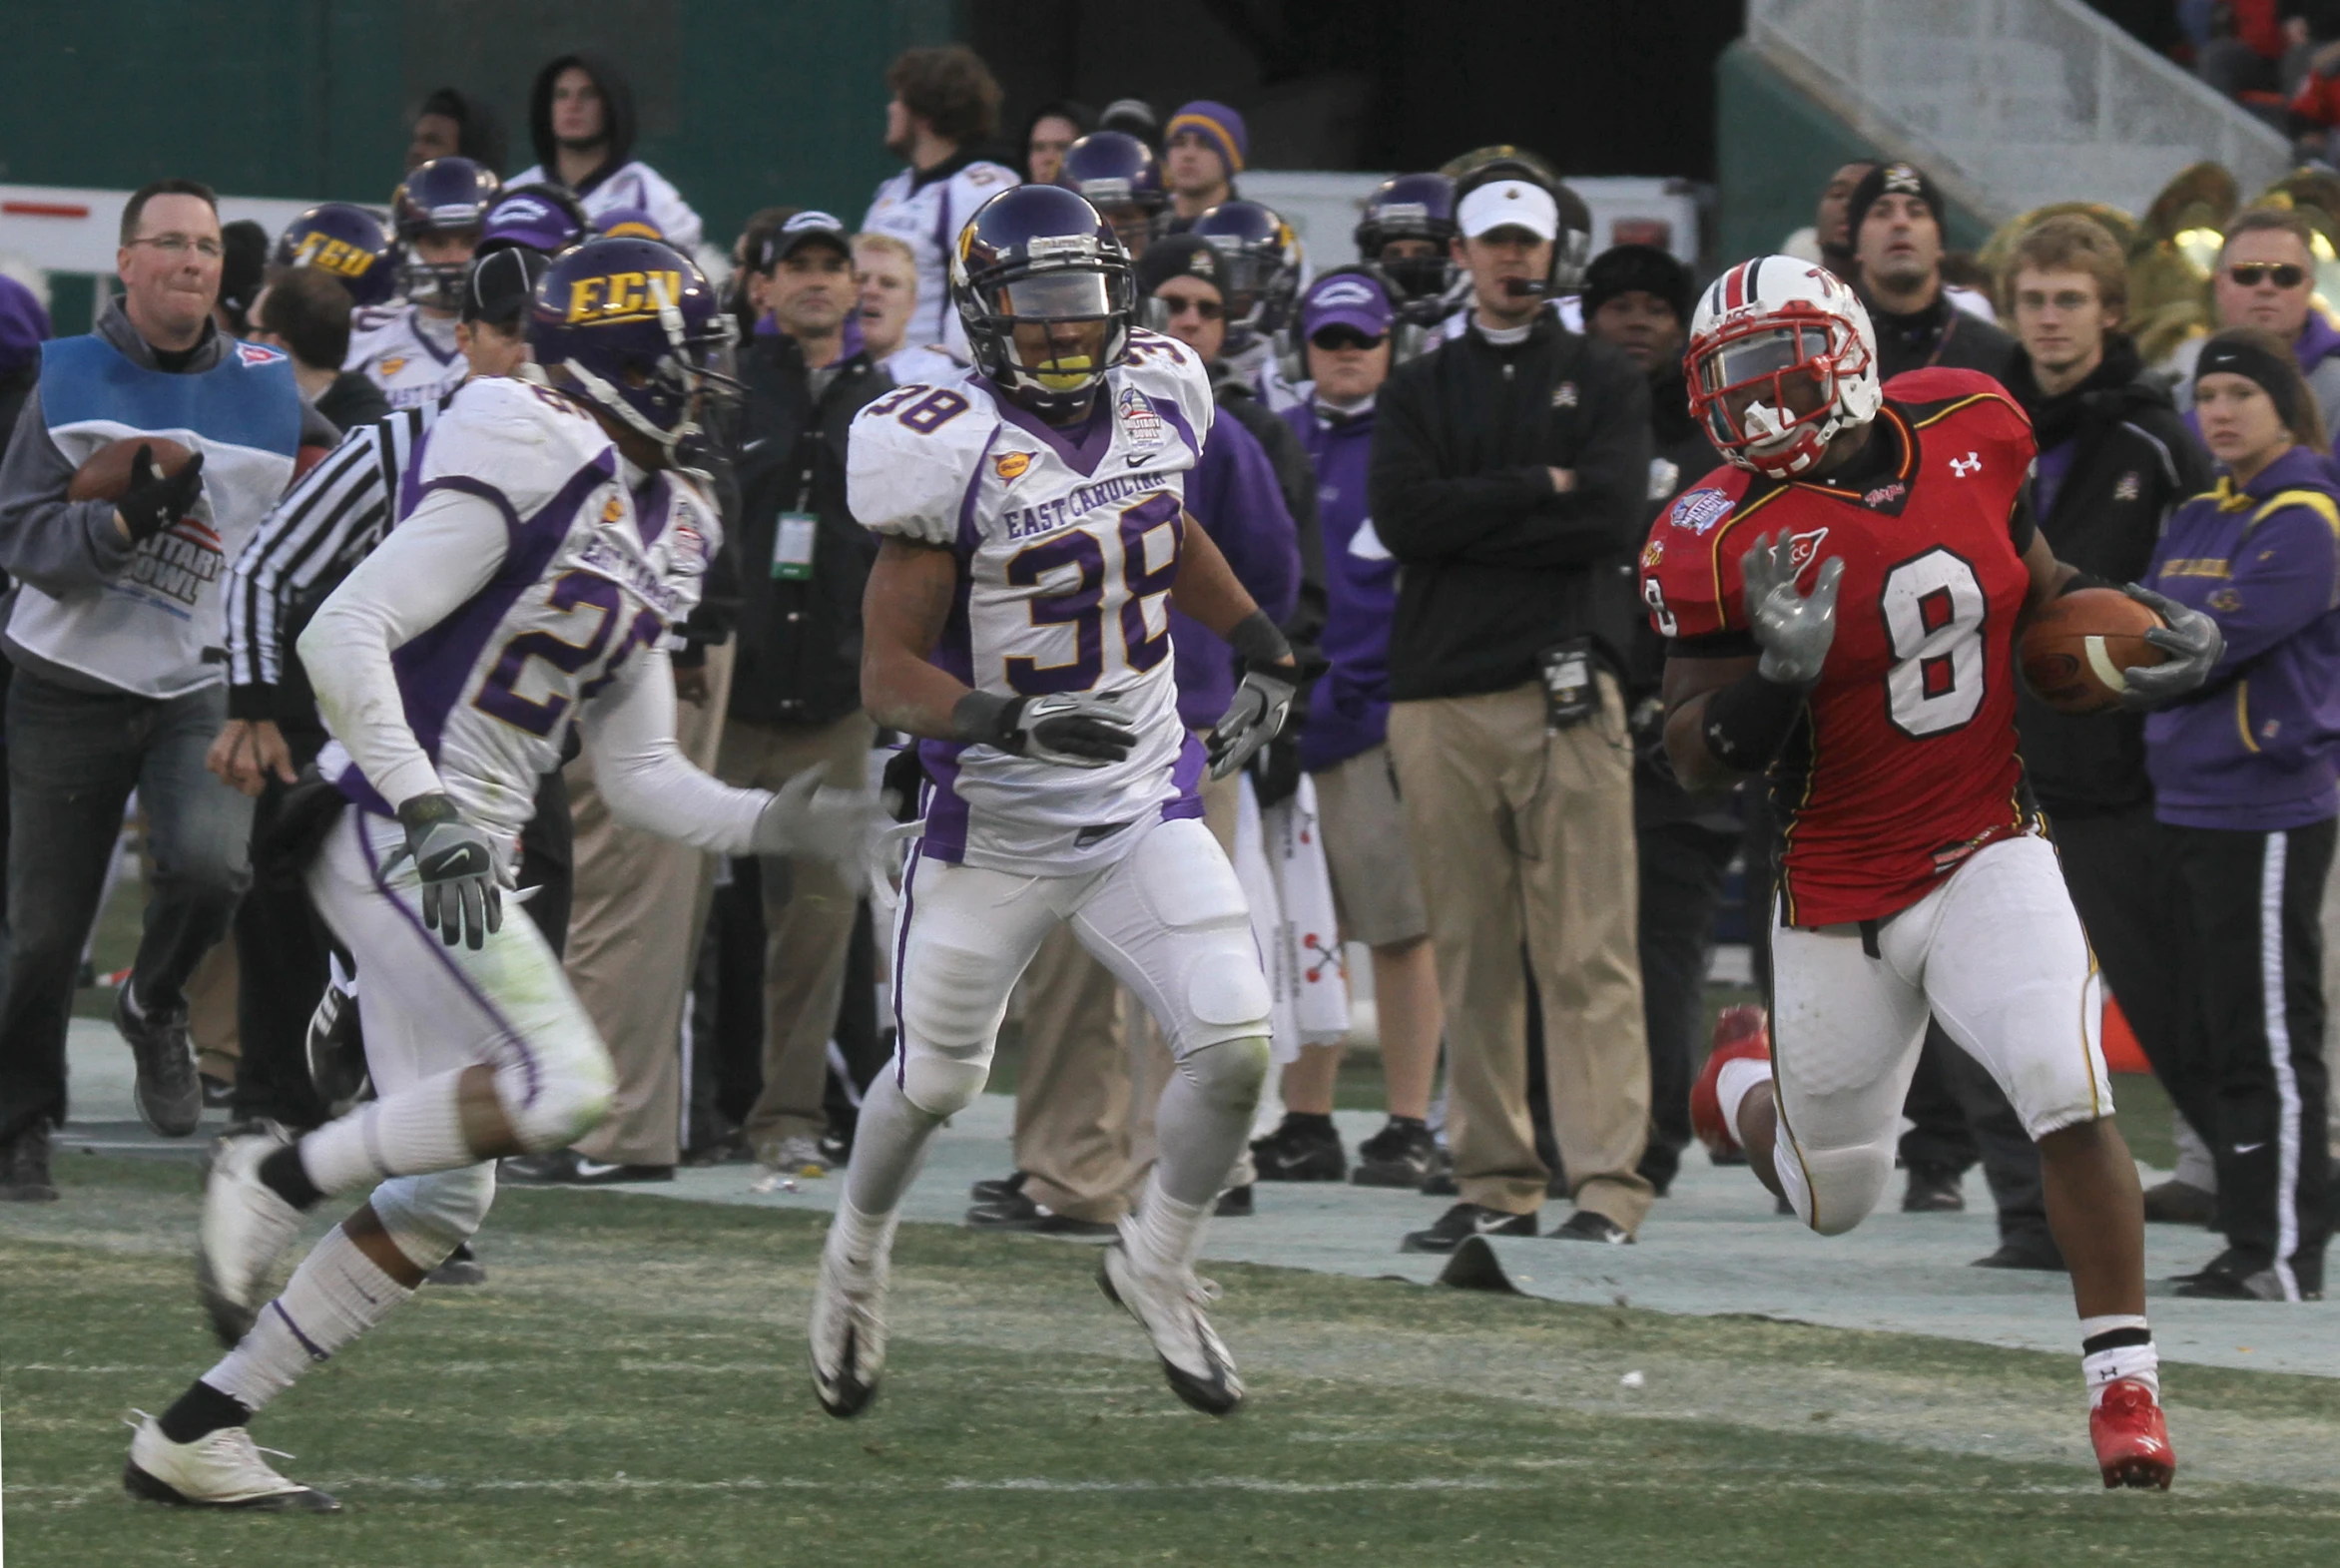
pixel 243 1228
pixel 337 1049
pixel 2132 1439
pixel 1741 1033
pixel 1170 1309
pixel 848 1328
pixel 219 1470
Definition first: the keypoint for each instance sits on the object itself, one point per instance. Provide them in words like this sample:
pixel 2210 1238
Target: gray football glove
pixel 1795 631
pixel 462 893
pixel 1073 729
pixel 2190 639
pixel 1263 702
pixel 836 825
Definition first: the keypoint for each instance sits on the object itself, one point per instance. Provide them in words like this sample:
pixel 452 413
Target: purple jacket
pixel 2254 749
pixel 1348 709
pixel 1232 492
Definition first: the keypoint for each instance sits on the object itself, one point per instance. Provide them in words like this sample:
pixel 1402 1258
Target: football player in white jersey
pixel 552 535
pixel 1016 622
pixel 945 106
pixel 407 348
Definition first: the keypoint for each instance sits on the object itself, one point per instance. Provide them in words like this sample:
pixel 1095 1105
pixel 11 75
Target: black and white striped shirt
pixel 325 525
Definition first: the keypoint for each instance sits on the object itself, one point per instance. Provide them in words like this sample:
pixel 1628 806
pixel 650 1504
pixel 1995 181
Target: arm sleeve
pixel 448 549
pixel 2287 574
pixel 329 521
pixel 54 544
pixel 630 736
pixel 1418 514
pixel 1601 515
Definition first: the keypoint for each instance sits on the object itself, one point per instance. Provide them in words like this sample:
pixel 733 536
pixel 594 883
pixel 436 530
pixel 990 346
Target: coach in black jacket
pixel 1510 472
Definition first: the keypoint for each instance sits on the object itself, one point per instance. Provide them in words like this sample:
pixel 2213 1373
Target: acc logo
pixel 1804 549
pixel 621 296
pixel 1654 557
pixel 338 256
pixel 257 354
pixel 1011 466
pixel 1139 423
pixel 1699 510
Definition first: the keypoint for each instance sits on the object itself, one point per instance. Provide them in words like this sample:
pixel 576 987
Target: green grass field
pixel 628 1390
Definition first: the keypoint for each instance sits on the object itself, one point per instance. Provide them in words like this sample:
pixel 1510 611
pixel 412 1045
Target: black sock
pixel 1309 1121
pixel 1410 1123
pixel 200 1412
pixel 282 1174
pixel 2116 1340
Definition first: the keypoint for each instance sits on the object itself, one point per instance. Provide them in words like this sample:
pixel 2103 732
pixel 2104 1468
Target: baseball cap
pixel 1509 204
pixel 501 284
pixel 1350 300
pixel 809 226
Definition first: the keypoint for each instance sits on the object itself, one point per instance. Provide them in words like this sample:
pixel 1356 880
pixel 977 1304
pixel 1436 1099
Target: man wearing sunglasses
pixel 2267 277
pixel 114 636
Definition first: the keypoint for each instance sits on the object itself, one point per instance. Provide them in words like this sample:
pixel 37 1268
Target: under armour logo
pixel 1968 465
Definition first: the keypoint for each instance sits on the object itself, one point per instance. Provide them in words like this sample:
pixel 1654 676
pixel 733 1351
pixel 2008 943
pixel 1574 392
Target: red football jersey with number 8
pixel 1905 764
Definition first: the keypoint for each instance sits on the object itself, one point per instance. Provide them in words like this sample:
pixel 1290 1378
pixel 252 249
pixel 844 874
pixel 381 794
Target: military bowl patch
pixel 1699 510
pixel 1139 423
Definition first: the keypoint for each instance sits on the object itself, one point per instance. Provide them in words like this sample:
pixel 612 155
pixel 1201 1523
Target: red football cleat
pixel 2132 1440
pixel 1740 1032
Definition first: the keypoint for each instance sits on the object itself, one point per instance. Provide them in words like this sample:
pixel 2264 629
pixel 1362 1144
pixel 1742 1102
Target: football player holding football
pixel 1841 604
pixel 1033 536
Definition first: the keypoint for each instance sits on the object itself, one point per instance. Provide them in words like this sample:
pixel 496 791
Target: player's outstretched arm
pixel 904 611
pixel 1207 590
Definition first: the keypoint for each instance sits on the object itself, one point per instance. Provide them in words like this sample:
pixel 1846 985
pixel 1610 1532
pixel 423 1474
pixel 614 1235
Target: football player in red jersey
pixel 1841 604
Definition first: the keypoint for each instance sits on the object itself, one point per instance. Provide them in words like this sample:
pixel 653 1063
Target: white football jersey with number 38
pixel 1068 541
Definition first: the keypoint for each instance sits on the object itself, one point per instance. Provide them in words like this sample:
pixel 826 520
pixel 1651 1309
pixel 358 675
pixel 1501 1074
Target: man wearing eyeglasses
pixel 2267 277
pixel 116 635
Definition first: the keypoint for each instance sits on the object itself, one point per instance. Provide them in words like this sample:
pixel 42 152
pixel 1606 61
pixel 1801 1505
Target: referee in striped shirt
pixel 322 528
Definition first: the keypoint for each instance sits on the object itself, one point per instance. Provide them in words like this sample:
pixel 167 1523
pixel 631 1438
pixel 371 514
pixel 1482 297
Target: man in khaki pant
pixel 1508 477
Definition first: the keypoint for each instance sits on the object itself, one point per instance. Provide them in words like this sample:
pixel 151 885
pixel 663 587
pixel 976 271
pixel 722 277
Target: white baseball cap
pixel 1509 204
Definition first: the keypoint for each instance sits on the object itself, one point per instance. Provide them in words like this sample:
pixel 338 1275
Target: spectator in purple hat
pixel 1207 146
pixel 1345 321
pixel 542 217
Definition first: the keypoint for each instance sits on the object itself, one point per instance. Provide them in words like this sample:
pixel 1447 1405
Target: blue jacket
pixel 1233 494
pixel 1349 707
pixel 2254 749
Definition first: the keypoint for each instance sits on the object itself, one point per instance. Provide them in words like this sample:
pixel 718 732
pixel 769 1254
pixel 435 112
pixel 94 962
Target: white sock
pixel 863 1238
pixel 413 1132
pixel 335 1295
pixel 1165 1236
pixel 890 1144
pixel 1733 1084
pixel 2137 1363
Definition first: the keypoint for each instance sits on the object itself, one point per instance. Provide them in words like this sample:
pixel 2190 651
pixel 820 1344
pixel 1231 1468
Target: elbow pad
pixel 1747 722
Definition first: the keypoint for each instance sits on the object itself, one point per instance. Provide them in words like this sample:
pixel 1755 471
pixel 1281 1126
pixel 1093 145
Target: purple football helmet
pixel 347 243
pixel 444 196
pixel 1262 269
pixel 633 327
pixel 1111 168
pixel 628 223
pixel 1039 255
pixel 540 218
pixel 1412 207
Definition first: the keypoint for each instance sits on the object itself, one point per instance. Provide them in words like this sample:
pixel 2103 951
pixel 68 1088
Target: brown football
pixel 107 473
pixel 2077 646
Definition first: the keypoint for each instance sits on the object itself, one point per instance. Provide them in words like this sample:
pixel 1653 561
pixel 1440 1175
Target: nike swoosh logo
pixel 595 1168
pixel 2249 1148
pixel 752 446
pixel 1483 1224
pixel 1141 461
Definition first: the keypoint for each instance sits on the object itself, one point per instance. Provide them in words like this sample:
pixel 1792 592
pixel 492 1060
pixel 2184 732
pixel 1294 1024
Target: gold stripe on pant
pixel 1523 838
pixel 807 923
pixel 639 907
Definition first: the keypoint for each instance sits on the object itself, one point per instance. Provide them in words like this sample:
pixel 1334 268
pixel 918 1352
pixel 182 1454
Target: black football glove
pixel 1275 770
pixel 152 503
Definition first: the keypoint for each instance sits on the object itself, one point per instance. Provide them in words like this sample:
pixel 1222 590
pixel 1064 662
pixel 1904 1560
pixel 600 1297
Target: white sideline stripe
pixel 2278 1029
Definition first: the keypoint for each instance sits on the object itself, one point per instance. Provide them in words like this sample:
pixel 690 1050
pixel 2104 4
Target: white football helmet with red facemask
pixel 1782 359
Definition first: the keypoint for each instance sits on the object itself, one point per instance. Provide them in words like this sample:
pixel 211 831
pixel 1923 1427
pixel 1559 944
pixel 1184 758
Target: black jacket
pixel 1498 566
pixel 1941 335
pixel 2131 460
pixel 1680 442
pixel 1296 479
pixel 352 401
pixel 800 643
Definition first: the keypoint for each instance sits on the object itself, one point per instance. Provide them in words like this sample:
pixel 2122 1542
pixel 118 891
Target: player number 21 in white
pixel 1934 611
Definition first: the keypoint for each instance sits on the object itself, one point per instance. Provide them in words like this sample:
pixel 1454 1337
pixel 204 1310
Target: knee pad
pixel 951 1009
pixel 554 1092
pixel 1834 1189
pixel 941 1084
pixel 428 1217
pixel 1231 1073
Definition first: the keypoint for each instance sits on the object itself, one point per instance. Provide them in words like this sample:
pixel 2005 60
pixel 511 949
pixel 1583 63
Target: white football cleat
pixel 221 1469
pixel 244 1228
pixel 1169 1307
pixel 849 1327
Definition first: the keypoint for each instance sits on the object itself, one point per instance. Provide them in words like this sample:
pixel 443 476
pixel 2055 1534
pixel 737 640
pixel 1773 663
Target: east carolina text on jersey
pixel 1905 760
pixel 1069 542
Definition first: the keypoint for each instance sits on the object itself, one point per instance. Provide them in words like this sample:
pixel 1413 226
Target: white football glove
pixel 802 819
